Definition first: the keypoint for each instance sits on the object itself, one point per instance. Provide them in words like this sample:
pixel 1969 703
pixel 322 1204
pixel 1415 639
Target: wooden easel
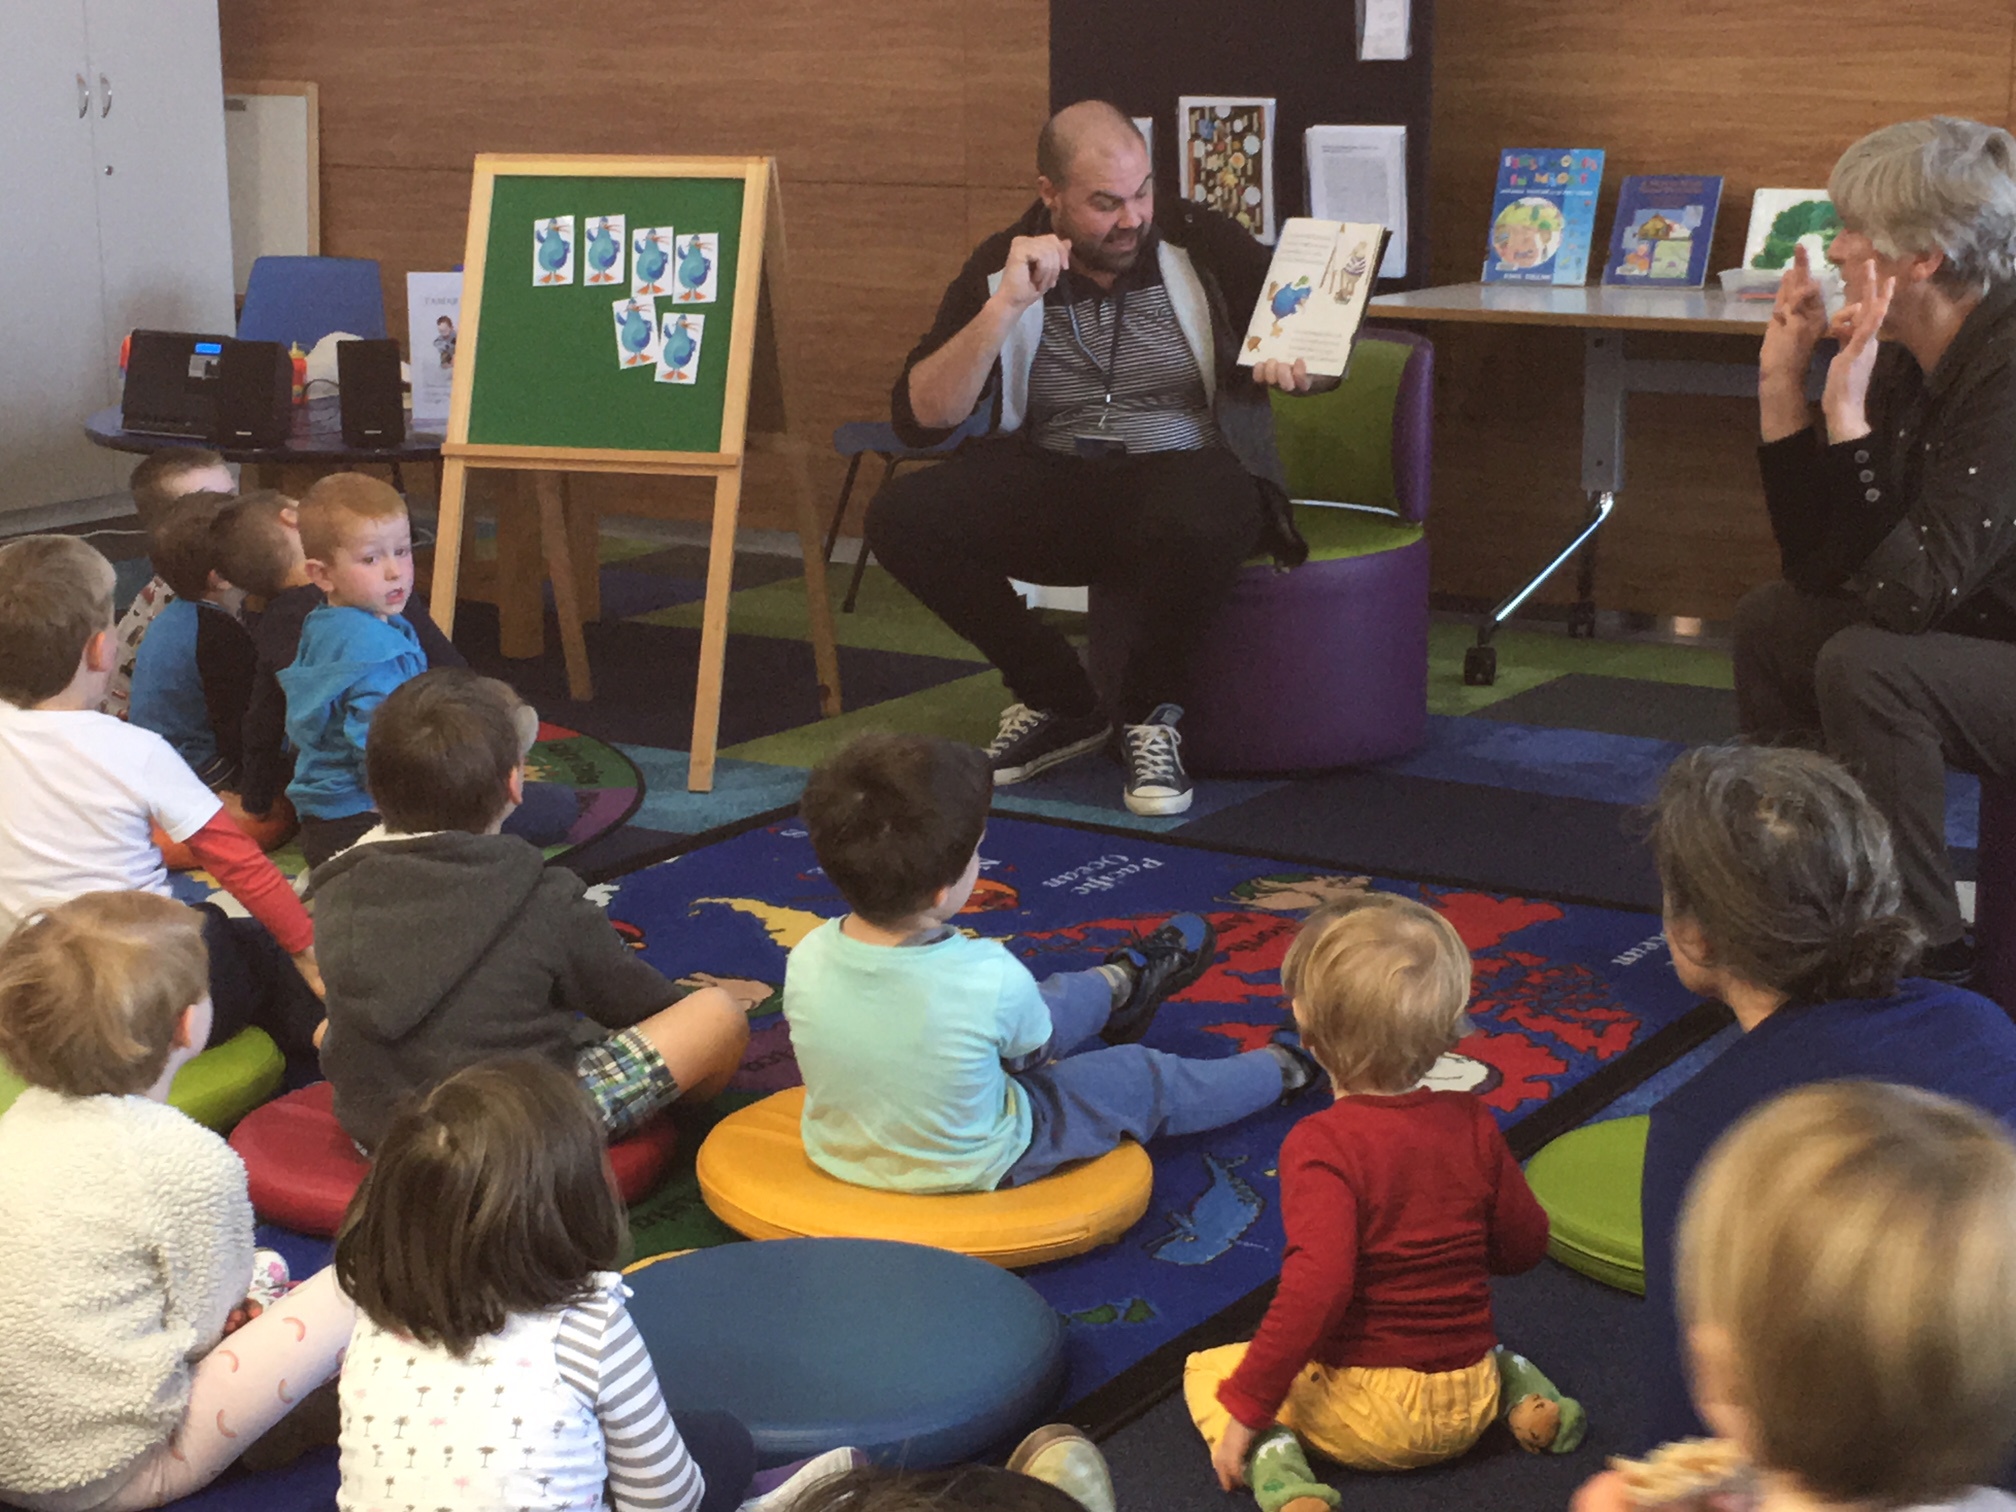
pixel 753 362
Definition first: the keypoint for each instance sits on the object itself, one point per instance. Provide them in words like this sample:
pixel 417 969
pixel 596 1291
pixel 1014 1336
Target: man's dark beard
pixel 1103 257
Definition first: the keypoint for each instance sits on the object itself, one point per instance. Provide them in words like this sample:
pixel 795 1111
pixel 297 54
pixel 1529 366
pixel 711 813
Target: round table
pixel 317 440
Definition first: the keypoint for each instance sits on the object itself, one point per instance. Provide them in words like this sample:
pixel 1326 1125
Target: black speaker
pixel 255 395
pixel 368 385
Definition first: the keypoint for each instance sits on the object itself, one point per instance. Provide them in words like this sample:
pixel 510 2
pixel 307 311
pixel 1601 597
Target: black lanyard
pixel 1112 367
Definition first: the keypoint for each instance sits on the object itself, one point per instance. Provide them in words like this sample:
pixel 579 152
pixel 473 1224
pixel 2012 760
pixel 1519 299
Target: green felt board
pixel 546 369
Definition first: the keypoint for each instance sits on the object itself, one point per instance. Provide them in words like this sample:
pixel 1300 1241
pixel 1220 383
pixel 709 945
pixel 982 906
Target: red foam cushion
pixel 302 1169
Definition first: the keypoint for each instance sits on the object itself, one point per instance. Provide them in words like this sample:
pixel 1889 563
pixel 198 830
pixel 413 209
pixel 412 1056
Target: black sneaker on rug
pixel 1164 962
pixel 1952 963
pixel 1299 1069
pixel 1031 741
pixel 1156 781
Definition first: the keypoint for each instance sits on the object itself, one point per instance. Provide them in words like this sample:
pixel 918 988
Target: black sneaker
pixel 1031 741
pixel 1156 781
pixel 1953 963
pixel 1163 962
pixel 1299 1069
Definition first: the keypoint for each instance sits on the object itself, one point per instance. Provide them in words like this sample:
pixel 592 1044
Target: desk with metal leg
pixel 1605 316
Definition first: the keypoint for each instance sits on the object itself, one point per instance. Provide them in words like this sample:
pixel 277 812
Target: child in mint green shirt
pixel 935 1062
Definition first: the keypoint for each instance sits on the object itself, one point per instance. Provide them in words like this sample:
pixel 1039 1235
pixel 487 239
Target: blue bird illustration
pixel 652 260
pixel 679 344
pixel 693 267
pixel 1223 1211
pixel 1284 300
pixel 553 251
pixel 602 253
pixel 633 330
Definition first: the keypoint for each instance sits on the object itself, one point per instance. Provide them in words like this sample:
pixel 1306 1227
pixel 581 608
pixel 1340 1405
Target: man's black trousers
pixel 1168 529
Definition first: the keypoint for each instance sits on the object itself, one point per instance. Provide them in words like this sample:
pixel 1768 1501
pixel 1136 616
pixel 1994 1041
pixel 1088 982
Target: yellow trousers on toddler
pixel 1365 1417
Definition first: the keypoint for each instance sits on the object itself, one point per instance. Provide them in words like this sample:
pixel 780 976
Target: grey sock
pixel 1120 977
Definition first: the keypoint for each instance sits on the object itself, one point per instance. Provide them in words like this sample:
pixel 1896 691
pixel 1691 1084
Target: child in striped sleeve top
pixel 494 1364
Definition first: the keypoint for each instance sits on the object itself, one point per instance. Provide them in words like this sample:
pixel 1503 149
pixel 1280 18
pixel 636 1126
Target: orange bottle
pixel 300 372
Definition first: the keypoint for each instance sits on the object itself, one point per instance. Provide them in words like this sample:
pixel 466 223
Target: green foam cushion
pixel 1334 533
pixel 227 1081
pixel 216 1088
pixel 1588 1181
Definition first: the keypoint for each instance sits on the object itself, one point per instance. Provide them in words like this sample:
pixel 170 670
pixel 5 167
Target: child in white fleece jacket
pixel 125 1229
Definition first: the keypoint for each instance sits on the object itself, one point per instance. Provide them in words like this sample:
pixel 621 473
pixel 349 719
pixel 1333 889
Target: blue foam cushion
pixel 916 1356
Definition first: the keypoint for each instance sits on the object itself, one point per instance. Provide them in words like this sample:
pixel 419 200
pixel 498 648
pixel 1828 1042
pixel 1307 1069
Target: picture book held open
pixel 1314 297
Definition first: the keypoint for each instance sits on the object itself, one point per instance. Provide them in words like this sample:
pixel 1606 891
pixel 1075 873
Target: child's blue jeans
pixel 1083 1105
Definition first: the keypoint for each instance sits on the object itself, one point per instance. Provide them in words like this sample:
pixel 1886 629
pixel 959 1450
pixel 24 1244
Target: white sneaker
pixel 811 1475
pixel 1059 1455
pixel 1156 781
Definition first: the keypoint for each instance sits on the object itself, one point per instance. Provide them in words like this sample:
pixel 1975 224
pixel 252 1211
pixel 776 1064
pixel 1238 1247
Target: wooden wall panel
pixel 1763 94
pixel 904 130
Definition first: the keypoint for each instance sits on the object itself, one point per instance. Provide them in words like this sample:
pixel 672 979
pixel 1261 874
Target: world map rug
pixel 1563 993
pixel 607 790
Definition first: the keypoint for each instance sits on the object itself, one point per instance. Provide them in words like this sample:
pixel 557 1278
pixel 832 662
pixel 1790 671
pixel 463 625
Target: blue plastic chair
pixel 299 300
pixel 857 439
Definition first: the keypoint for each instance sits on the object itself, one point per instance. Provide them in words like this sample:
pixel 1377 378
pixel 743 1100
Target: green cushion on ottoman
pixel 227 1081
pixel 1588 1181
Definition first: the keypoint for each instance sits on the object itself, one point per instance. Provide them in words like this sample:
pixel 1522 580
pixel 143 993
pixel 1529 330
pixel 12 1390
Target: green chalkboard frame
pixel 536 389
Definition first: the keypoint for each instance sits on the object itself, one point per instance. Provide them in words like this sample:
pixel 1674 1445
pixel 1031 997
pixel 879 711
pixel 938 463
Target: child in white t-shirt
pixel 80 793
pixel 125 1229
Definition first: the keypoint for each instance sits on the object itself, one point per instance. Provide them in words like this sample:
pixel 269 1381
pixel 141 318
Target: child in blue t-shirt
pixel 192 675
pixel 933 1061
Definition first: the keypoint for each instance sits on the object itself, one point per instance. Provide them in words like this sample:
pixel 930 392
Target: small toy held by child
pixel 1847 1278
pixel 161 478
pixel 81 794
pixel 1400 1204
pixel 125 1231
pixel 935 1062
pixel 353 649
pixel 192 678
pixel 446 941
pixel 494 1363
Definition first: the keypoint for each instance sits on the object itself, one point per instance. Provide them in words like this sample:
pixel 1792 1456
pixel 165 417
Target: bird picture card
pixel 636 332
pixel 696 266
pixel 1664 224
pixel 604 250
pixel 651 261
pixel 679 346
pixel 1314 298
pixel 1226 158
pixel 553 251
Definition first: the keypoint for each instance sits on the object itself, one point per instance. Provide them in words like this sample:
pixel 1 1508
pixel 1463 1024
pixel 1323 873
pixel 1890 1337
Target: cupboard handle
pixel 83 97
pixel 104 97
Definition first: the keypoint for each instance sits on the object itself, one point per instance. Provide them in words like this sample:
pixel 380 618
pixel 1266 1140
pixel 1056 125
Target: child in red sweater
pixel 1400 1204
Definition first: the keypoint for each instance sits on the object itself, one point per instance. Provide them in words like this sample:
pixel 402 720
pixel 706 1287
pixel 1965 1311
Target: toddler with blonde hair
pixel 1400 1203
pixel 125 1229
pixel 1847 1286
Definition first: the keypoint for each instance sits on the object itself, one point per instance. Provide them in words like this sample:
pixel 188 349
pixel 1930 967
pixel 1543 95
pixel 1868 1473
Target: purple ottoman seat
pixel 1326 665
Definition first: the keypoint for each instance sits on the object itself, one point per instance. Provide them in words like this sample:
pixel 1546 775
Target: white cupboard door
pixel 164 210
pixel 62 362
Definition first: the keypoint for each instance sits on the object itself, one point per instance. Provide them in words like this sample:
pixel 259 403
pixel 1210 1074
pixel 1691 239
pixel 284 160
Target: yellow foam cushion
pixel 758 1180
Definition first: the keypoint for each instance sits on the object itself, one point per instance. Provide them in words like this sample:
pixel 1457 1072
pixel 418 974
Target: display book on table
pixel 1660 236
pixel 1543 215
pixel 1313 300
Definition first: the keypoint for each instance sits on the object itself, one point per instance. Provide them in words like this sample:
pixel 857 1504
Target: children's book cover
pixel 1543 217
pixel 603 240
pixel 1780 220
pixel 1665 222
